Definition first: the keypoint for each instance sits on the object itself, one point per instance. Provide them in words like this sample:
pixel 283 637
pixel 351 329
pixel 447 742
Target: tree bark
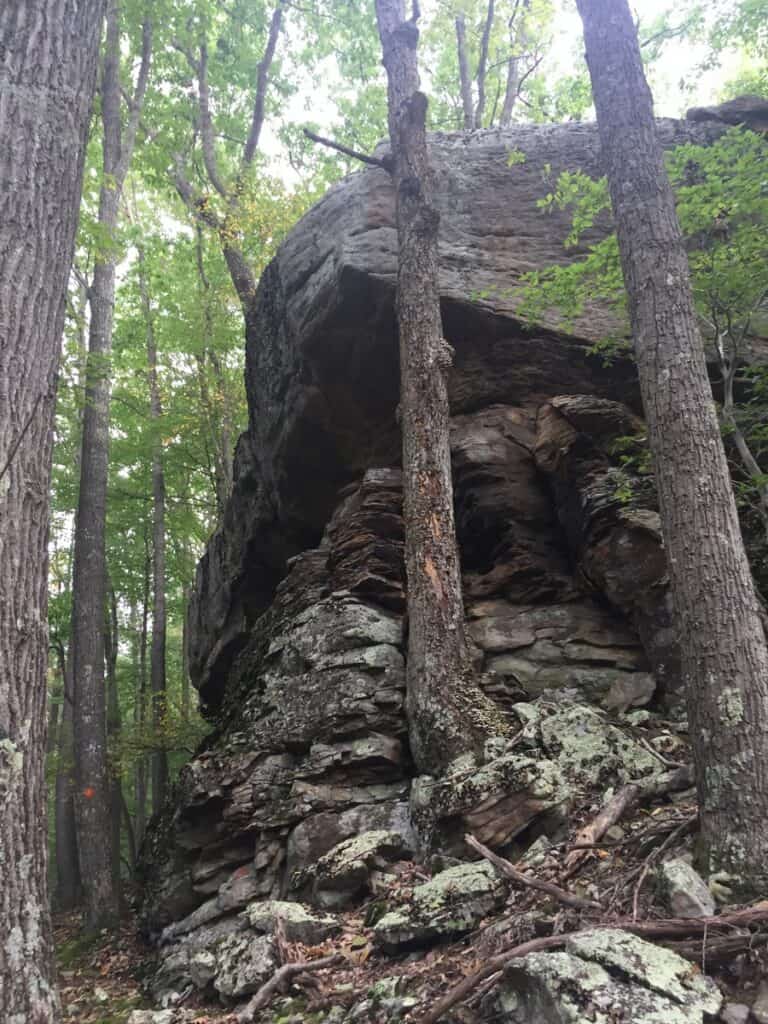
pixel 464 78
pixel 482 64
pixel 157 651
pixel 92 798
pixel 716 611
pixel 114 726
pixel 448 715
pixel 141 698
pixel 48 58
pixel 69 888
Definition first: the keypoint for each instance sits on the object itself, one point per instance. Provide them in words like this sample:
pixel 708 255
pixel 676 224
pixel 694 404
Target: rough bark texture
pixel 69 888
pixel 448 715
pixel 723 650
pixel 92 798
pixel 48 57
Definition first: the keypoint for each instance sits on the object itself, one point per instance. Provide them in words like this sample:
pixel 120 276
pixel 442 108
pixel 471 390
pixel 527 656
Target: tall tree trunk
pixel 717 617
pixel 48 58
pixel 482 64
pixel 141 698
pixel 464 78
pixel 518 40
pixel 185 688
pixel 114 725
pixel 218 411
pixel 448 714
pixel 92 802
pixel 157 653
pixel 69 889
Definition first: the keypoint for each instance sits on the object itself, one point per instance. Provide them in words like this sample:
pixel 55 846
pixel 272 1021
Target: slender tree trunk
pixel 48 58
pixel 92 803
pixel 185 689
pixel 482 64
pixel 518 39
pixel 114 726
pixel 717 617
pixel 69 889
pixel 464 77
pixel 448 714
pixel 157 653
pixel 141 699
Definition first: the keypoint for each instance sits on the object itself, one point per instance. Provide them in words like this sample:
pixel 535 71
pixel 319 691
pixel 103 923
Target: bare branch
pixel 206 122
pixel 262 82
pixel 283 975
pixel 374 161
pixel 510 871
pixel 136 103
pixel 196 204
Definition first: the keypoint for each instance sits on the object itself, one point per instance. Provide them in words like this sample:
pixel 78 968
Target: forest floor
pixel 102 981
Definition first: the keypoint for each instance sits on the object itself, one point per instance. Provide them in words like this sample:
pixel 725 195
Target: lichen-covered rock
pixel 494 801
pixel 592 753
pixel 685 890
pixel 245 962
pixel 344 874
pixel 606 977
pixel 453 902
pixel 296 922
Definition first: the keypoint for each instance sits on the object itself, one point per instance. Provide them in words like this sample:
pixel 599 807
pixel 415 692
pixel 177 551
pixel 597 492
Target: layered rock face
pixel 305 787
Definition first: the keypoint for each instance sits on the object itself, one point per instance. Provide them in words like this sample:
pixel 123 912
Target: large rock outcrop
pixel 322 366
pixel 297 623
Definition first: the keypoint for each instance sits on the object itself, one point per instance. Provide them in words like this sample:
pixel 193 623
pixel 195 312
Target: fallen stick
pixel 279 978
pixel 655 855
pixel 664 928
pixel 627 798
pixel 510 871
pixel 496 963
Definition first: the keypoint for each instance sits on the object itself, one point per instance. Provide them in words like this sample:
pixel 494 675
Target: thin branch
pixel 262 82
pixel 510 871
pixel 206 122
pixel 373 161
pixel 196 204
pixel 136 103
pixel 283 975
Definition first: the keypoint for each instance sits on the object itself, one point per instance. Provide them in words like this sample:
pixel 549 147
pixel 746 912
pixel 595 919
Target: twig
pixel 666 928
pixel 279 978
pixel 627 798
pixel 654 855
pixel 469 984
pixel 374 161
pixel 504 866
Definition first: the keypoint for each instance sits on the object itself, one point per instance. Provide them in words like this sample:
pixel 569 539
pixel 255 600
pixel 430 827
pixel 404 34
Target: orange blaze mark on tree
pixel 89 792
pixel 437 583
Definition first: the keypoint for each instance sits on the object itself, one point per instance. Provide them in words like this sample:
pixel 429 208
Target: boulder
pixel 495 801
pixel 685 890
pixel 296 922
pixel 245 962
pixel 606 977
pixel 321 353
pixel 344 874
pixel 452 903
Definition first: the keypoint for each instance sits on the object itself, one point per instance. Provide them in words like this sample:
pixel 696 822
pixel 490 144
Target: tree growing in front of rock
pixel 716 612
pixel 448 713
pixel 48 56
